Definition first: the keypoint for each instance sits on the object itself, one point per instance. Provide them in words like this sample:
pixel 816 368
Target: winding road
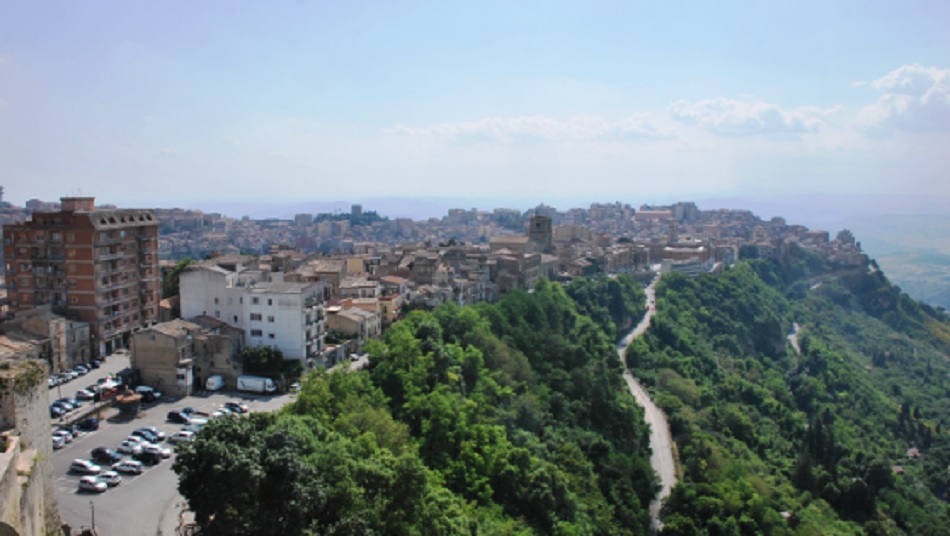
pixel 661 444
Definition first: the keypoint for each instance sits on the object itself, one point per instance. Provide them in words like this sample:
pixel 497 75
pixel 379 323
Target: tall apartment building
pixel 98 266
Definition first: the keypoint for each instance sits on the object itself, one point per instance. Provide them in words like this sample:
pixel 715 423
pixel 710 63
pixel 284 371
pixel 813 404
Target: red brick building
pixel 92 265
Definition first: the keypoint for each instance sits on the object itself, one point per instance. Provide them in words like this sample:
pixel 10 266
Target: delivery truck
pixel 256 384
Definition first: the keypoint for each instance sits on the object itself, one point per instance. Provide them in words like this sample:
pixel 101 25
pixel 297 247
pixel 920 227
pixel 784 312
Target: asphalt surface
pixel 142 505
pixel 661 444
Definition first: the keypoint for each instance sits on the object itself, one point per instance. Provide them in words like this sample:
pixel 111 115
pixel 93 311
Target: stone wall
pixel 27 499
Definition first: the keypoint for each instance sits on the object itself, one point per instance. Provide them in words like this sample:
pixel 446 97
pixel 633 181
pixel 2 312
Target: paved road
pixel 661 444
pixel 142 505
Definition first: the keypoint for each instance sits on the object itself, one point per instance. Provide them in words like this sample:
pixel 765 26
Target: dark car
pixel 105 455
pixel 71 401
pixel 178 417
pixel 88 425
pixel 147 457
pixel 146 435
pixel 94 364
pixel 56 411
pixel 65 407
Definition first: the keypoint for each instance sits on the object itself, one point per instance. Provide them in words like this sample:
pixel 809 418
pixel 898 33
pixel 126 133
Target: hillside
pixel 507 418
pixel 846 438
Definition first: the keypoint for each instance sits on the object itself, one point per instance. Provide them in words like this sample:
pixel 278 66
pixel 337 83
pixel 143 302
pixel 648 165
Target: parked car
pixel 80 370
pixel 182 436
pixel 85 394
pixel 236 407
pixel 91 483
pixel 148 393
pixel 178 417
pixel 84 467
pixel 111 478
pixel 56 412
pixel 71 401
pixel 155 431
pixel 128 466
pixel 94 364
pixel 52 382
pixel 89 424
pixel 147 457
pixel 58 442
pixel 105 455
pixel 130 447
pixel 164 452
pixel 146 434
pixel 71 428
pixel 65 406
pixel 67 437
pixel 68 375
pixel 188 410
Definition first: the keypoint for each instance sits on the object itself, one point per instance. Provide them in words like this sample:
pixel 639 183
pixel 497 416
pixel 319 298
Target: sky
pixel 217 103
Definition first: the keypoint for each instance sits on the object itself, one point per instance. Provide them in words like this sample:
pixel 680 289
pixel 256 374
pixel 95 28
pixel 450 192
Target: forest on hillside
pixel 506 418
pixel 512 418
pixel 846 438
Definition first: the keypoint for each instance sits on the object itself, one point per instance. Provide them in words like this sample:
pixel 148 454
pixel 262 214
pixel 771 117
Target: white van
pixel 214 383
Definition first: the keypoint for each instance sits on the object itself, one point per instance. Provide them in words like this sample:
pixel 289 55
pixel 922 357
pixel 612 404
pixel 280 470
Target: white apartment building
pixel 287 316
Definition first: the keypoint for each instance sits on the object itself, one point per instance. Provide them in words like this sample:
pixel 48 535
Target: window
pixel 255 301
pixel 270 336
pixel 256 333
pixel 235 319
pixel 256 317
pixel 217 314
pixel 270 318
pixel 216 301
pixel 270 301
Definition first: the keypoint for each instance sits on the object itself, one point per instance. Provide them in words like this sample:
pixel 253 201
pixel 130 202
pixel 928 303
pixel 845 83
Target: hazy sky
pixel 195 103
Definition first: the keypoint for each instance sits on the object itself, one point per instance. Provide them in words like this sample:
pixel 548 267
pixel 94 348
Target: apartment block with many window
pixel 98 266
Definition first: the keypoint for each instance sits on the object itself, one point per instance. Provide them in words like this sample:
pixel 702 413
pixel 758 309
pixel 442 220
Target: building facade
pixel 98 266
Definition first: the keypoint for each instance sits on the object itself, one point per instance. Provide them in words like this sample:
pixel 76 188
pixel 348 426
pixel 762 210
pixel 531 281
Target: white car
pixel 111 478
pixel 64 435
pixel 58 442
pixel 91 483
pixel 182 436
pixel 161 451
pixel 85 467
pixel 130 447
pixel 128 466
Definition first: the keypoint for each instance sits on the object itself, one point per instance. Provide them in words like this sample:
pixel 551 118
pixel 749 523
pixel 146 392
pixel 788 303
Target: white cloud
pixel 531 129
pixel 750 117
pixel 916 98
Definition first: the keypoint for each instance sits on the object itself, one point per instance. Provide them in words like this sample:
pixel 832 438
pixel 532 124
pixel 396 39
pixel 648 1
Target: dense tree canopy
pixel 508 418
pixel 775 442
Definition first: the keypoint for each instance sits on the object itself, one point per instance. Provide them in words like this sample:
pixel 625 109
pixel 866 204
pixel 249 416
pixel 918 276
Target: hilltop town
pixel 185 293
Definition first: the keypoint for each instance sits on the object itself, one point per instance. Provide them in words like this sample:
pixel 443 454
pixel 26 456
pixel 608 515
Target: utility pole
pixel 92 506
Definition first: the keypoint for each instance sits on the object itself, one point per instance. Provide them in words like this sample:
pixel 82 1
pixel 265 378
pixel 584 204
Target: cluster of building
pixel 81 281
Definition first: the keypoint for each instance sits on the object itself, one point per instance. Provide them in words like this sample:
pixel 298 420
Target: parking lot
pixel 144 504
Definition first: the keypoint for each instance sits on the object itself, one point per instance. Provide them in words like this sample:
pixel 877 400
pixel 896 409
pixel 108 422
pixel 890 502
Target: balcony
pixel 109 256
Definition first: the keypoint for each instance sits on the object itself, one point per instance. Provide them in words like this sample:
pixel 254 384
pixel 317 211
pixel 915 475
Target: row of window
pixel 257 317
pixel 259 333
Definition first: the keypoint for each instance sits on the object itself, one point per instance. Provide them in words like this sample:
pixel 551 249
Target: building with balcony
pixel 98 266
